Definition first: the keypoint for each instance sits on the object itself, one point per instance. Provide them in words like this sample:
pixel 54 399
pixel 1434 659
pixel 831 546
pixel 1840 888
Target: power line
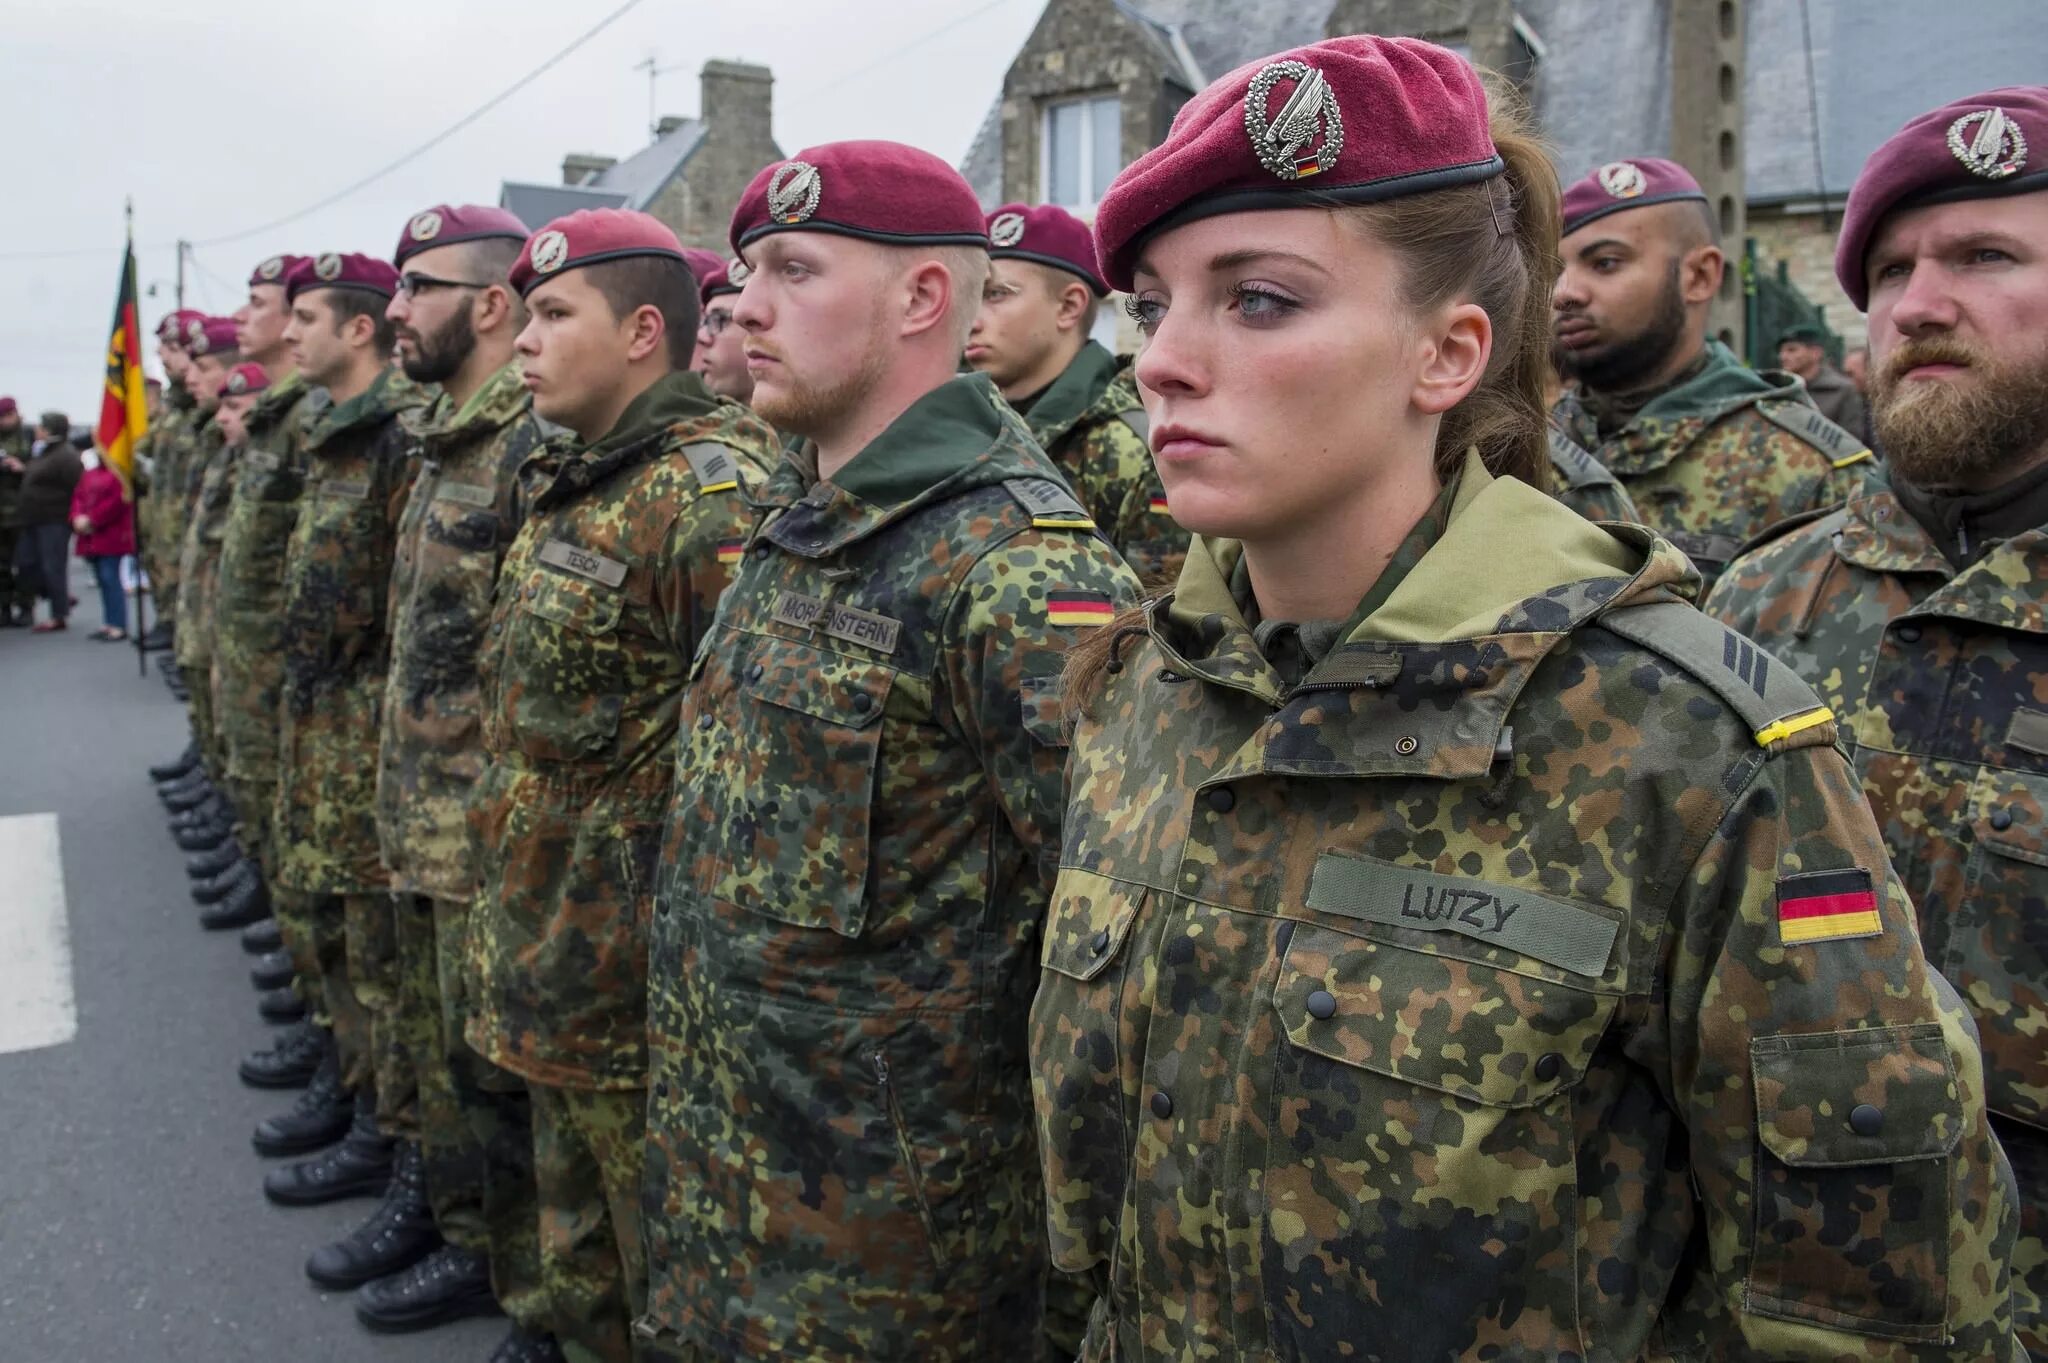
pixel 896 52
pixel 376 175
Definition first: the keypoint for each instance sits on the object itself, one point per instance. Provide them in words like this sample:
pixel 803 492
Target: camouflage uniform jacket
pixel 1092 423
pixel 248 646
pixel 1583 483
pixel 840 1160
pixel 337 587
pixel 457 525
pixel 1937 675
pixel 199 546
pixel 604 594
pixel 164 450
pixel 1452 1003
pixel 1723 456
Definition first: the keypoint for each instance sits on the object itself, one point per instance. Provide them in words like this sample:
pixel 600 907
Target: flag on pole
pixel 124 407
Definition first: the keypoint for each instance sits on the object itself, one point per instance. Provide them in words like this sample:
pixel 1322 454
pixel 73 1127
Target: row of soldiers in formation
pixel 765 878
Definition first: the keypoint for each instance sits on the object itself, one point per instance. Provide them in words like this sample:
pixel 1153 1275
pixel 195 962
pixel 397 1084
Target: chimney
pixel 737 97
pixel 668 124
pixel 581 167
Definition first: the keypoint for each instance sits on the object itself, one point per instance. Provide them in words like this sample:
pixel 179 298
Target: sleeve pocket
pixel 1856 1138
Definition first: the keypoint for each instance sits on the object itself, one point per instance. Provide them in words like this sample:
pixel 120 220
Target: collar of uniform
pixel 1071 394
pixel 959 436
pixel 1879 535
pixel 500 401
pixel 1669 423
pixel 637 437
pixel 180 398
pixel 280 395
pixel 387 396
pixel 2002 589
pixel 1564 570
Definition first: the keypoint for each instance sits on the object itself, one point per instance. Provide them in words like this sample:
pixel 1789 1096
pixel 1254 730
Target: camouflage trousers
pixel 588 1154
pixel 2027 1148
pixel 476 1121
pixel 199 707
pixel 368 952
pixel 14 590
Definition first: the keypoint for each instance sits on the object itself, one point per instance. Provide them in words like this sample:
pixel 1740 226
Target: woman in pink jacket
pixel 101 515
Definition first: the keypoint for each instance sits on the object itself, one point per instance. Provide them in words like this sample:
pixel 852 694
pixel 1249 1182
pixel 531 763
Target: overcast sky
pixel 218 117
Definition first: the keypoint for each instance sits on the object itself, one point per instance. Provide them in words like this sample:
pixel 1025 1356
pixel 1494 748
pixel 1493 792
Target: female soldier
pixel 1462 947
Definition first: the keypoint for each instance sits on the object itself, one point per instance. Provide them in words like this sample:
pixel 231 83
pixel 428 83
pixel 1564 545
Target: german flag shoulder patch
pixel 1826 906
pixel 1079 608
pixel 1159 504
pixel 731 551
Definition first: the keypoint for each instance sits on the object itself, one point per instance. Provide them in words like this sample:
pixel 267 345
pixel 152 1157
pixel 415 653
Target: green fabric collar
pixel 387 395
pixel 1078 387
pixel 927 444
pixel 1724 383
pixel 637 437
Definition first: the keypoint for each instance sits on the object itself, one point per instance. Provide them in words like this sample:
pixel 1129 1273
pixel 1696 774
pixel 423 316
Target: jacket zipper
pixel 911 1172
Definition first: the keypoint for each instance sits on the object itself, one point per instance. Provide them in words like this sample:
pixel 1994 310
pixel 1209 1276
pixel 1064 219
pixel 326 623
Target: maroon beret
pixel 590 236
pixel 1619 185
pixel 339 270
pixel 274 270
pixel 447 224
pixel 1049 235
pixel 702 263
pixel 1348 121
pixel 1972 149
pixel 172 328
pixel 244 378
pixel 8 407
pixel 882 191
pixel 729 277
pixel 210 335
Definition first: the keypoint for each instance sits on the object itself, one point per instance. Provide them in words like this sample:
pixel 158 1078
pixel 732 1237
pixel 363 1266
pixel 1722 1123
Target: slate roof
pixel 539 205
pixel 635 182
pixel 1599 91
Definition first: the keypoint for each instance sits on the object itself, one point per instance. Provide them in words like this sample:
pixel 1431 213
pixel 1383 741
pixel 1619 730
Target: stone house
pixel 690 176
pixel 1098 81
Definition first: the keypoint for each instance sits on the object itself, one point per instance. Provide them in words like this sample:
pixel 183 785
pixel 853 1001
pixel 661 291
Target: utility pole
pixel 183 247
pixel 1706 135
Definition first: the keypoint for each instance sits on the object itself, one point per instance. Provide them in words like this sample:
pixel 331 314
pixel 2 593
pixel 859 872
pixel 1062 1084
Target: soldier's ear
pixel 1074 305
pixel 1699 274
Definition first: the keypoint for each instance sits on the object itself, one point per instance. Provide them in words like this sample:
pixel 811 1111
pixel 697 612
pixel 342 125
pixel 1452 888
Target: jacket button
pixel 1406 745
pixel 1865 1120
pixel 1909 634
pixel 761 550
pixel 1162 1105
pixel 1222 799
pixel 1169 676
pixel 862 701
pixel 661 1090
pixel 705 720
pixel 1547 1065
pixel 755 672
pixel 1322 1005
pixel 2001 819
pixel 1099 945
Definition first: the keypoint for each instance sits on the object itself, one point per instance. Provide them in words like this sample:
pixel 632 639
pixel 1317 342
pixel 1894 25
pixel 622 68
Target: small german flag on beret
pixel 1822 906
pixel 1079 608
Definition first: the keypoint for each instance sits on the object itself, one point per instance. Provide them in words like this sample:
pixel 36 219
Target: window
pixel 1081 150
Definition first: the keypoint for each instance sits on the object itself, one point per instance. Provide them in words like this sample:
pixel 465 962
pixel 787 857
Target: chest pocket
pixel 1997 955
pixel 795 822
pixel 1420 1102
pixel 565 629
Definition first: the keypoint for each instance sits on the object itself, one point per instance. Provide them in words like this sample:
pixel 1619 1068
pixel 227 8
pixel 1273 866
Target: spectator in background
pixel 1855 366
pixel 1802 351
pixel 103 519
pixel 47 482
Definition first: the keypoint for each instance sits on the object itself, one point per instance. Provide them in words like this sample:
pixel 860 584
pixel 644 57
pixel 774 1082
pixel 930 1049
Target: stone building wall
pixel 736 105
pixel 1807 246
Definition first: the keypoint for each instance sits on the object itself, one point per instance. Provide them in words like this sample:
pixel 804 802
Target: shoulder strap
pixel 716 469
pixel 1138 423
pixel 1050 506
pixel 1577 464
pixel 1781 711
pixel 1805 421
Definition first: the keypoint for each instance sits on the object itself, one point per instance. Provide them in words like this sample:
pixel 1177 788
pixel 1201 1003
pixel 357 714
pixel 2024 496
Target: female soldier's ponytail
pixel 1494 244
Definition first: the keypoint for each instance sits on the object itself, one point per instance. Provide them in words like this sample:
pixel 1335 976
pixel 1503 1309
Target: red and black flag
pixel 124 407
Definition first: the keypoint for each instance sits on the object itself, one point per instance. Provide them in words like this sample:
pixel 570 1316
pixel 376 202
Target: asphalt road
pixel 133 1227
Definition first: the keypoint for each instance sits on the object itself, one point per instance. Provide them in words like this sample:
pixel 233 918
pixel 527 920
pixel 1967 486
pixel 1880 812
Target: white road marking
pixel 37 1007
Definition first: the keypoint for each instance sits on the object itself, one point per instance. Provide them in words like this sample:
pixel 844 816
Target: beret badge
pixel 1622 179
pixel 1282 141
pixel 195 336
pixel 1007 229
pixel 328 267
pixel 1996 149
pixel 550 252
pixel 793 192
pixel 271 268
pixel 238 382
pixel 426 226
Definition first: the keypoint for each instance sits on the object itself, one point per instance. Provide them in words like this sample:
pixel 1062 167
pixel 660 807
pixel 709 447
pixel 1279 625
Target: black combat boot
pixel 241 906
pixel 398 1234
pixel 205 836
pixel 207 865
pixel 184 764
pixel 359 1167
pixel 527 1346
pixel 280 1005
pixel 262 937
pixel 161 635
pixel 290 1063
pixel 319 1118
pixel 273 971
pixel 218 887
pixel 187 794
pixel 448 1284
pixel 205 812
